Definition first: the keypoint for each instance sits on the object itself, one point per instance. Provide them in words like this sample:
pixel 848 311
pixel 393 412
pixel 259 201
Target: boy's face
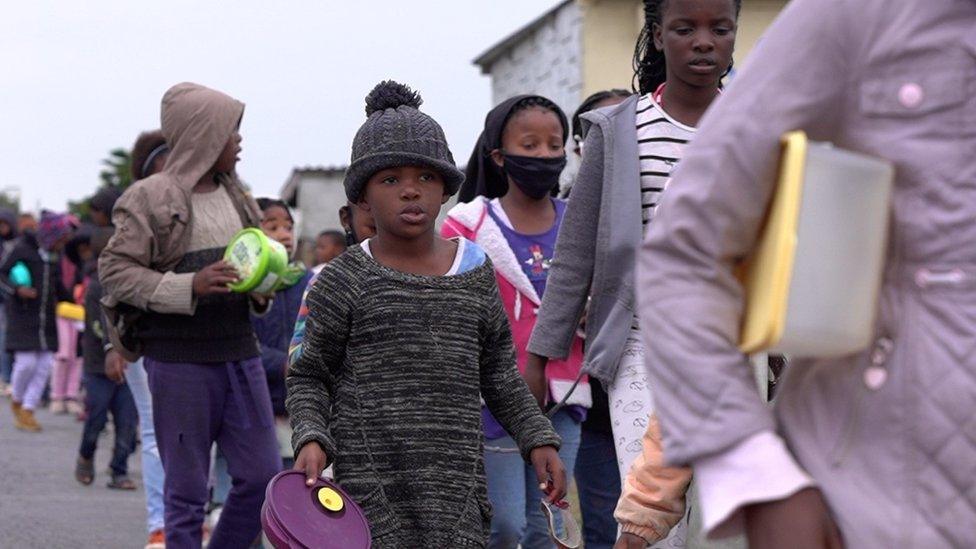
pixel 404 201
pixel 228 158
pixel 327 249
pixel 277 224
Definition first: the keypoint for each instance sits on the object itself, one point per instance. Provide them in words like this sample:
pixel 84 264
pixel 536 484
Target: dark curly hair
pixel 650 66
pixel 267 203
pixel 589 104
pixel 145 144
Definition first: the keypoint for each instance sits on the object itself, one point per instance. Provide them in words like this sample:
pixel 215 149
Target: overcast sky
pixel 81 78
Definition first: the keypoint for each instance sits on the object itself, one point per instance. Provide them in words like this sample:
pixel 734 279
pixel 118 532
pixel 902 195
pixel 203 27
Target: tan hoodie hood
pixel 197 122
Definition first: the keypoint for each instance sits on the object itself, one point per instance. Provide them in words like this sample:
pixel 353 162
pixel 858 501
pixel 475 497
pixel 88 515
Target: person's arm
pixel 6 263
pixel 653 496
pixel 312 377
pixel 272 358
pixel 504 390
pixel 690 301
pixel 124 264
pixel 568 283
pixel 510 402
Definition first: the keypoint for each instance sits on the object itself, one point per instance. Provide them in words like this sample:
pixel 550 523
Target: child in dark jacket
pixel 404 333
pixel 31 332
pixel 105 386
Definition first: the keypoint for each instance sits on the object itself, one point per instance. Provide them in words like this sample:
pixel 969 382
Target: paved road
pixel 41 504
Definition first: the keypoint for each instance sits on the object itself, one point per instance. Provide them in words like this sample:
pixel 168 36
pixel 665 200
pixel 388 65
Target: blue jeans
pixel 513 488
pixel 152 466
pixel 598 483
pixel 104 396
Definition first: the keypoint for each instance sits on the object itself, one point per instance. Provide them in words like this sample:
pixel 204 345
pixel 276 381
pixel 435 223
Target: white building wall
pixel 319 200
pixel 547 62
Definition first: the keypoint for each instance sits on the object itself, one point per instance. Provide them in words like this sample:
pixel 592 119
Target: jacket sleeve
pixel 571 273
pixel 124 265
pixel 272 358
pixel 6 263
pixel 690 302
pixel 503 389
pixel 653 497
pixel 311 380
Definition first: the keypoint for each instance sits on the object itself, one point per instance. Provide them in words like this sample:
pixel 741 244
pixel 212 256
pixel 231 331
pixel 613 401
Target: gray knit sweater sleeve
pixel 312 379
pixel 503 389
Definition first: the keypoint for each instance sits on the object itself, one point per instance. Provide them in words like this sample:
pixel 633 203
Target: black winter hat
pixel 397 134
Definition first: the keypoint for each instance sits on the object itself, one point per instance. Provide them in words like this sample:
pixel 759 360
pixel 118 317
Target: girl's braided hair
pixel 650 66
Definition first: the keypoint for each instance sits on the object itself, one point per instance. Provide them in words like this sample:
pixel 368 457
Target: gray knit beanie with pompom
pixel 397 134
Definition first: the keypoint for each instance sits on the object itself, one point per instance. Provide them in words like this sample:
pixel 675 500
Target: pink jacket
pixel 521 302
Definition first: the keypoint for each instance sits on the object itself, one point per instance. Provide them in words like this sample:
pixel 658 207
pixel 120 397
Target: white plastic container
pixel 828 283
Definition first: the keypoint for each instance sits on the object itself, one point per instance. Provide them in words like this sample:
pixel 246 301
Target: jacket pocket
pixel 914 91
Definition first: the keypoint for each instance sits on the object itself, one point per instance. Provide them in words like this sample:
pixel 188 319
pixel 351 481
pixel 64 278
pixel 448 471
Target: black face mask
pixel 537 177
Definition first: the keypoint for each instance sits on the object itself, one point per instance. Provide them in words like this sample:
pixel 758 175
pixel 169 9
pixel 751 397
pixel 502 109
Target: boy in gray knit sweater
pixel 403 335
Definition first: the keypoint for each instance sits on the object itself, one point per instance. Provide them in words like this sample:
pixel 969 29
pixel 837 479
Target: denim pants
pixel 513 488
pixel 195 405
pixel 598 483
pixel 152 466
pixel 103 396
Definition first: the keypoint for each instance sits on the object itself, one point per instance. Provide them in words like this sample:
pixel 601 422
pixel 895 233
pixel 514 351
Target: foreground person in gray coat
pixel 876 449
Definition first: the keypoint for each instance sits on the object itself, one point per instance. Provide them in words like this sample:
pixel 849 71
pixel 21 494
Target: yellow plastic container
pixel 70 311
pixel 813 278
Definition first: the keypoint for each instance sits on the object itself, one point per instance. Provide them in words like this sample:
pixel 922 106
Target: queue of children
pixel 450 377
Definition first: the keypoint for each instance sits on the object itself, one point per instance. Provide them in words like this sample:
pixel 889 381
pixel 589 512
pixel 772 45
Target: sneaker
pixel 25 421
pixel 58 407
pixel 8 391
pixel 157 540
pixel 74 408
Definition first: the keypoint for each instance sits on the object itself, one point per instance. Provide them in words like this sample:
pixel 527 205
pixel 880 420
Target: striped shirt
pixel 660 143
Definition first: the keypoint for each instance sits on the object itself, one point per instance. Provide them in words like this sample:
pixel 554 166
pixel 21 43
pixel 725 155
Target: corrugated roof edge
pixel 289 191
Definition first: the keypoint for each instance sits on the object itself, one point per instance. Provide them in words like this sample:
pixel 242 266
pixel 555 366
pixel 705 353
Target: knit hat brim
pixel 365 167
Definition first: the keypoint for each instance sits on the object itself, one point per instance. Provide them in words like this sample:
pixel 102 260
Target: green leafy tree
pixel 116 172
pixel 10 200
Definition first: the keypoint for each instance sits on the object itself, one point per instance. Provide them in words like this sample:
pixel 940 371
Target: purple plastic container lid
pixel 278 539
pixel 294 512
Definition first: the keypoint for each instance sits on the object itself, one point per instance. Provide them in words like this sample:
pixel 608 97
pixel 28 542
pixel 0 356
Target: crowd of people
pixel 451 378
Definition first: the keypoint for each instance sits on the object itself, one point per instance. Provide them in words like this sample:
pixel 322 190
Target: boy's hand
pixel 535 377
pixel 311 459
pixel 551 473
pixel 26 292
pixel 214 278
pixel 630 541
pixel 115 367
pixel 801 520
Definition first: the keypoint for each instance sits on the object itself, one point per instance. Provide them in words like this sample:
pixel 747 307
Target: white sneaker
pixel 74 408
pixel 58 407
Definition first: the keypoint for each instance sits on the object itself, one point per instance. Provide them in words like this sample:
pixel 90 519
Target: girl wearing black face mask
pixel 511 214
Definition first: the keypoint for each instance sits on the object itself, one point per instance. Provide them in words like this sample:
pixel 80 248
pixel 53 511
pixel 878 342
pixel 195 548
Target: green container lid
pixel 259 261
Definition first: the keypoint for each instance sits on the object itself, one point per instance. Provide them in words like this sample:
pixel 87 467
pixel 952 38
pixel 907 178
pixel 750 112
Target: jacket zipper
pixel 43 315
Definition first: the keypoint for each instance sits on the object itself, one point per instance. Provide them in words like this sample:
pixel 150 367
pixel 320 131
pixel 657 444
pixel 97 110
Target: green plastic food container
pixel 259 260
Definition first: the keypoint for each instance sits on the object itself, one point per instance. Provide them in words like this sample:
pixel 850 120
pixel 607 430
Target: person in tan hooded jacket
pixel 167 298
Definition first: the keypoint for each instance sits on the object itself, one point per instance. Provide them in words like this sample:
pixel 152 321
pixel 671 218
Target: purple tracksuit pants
pixel 195 405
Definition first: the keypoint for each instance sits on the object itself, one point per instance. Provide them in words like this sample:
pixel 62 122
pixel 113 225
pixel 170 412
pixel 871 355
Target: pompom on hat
pixel 397 134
